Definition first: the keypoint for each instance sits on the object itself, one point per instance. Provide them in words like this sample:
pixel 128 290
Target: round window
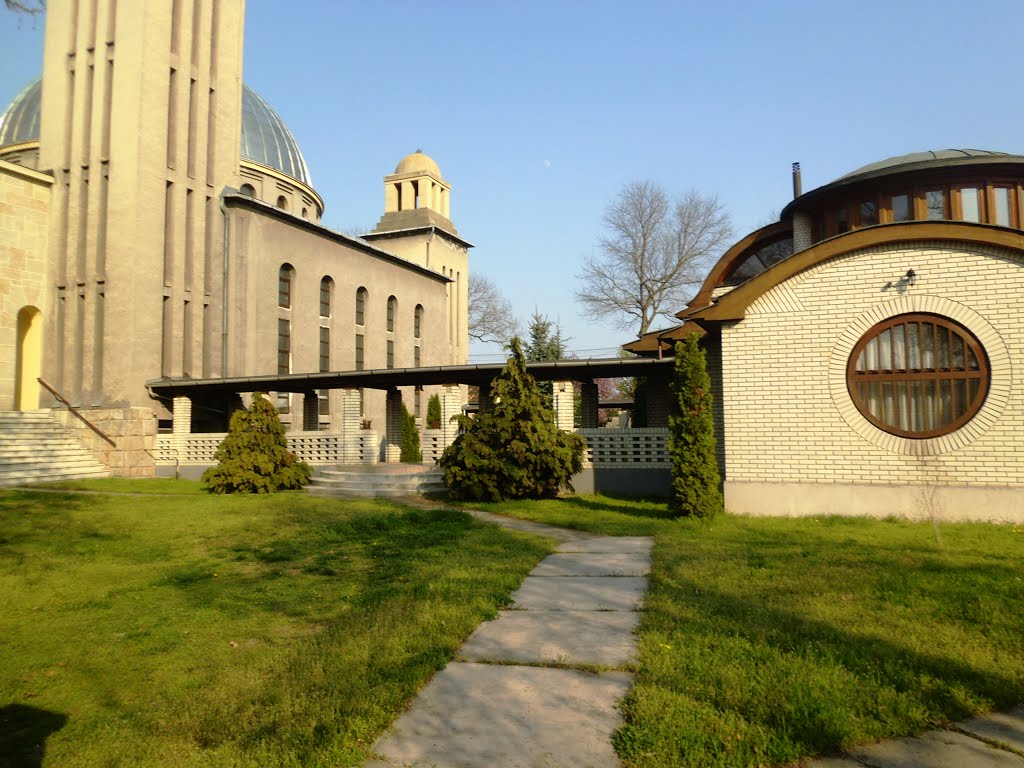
pixel 918 375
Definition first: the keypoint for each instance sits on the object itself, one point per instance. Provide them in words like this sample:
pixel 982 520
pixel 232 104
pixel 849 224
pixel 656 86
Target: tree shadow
pixel 655 509
pixel 23 734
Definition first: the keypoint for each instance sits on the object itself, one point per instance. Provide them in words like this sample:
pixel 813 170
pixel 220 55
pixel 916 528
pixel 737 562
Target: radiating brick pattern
pixel 788 415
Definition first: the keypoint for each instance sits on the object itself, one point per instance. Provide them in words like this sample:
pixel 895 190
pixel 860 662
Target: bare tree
pixel 21 6
pixel 490 314
pixel 655 251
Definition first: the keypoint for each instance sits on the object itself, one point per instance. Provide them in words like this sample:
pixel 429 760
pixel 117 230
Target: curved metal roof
pixel 20 121
pixel 912 158
pixel 265 138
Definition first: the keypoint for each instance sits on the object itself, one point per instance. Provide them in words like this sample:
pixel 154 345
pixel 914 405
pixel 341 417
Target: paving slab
pixel 1004 727
pixel 477 715
pixel 580 593
pixel 559 637
pixel 620 544
pixel 935 749
pixel 834 762
pixel 594 564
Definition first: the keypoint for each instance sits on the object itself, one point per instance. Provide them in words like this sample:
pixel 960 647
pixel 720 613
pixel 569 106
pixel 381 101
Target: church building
pixel 158 221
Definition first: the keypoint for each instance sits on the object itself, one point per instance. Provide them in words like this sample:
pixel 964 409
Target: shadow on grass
pixel 651 509
pixel 23 734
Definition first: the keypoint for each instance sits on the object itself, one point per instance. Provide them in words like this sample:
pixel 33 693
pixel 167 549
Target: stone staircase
pixel 373 480
pixel 35 448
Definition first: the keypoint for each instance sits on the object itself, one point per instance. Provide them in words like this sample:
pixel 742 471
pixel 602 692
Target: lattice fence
pixel 637 448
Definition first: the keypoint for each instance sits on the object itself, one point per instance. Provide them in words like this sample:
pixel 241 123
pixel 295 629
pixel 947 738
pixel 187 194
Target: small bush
pixel 514 450
pixel 254 456
pixel 411 453
pixel 434 412
pixel 696 486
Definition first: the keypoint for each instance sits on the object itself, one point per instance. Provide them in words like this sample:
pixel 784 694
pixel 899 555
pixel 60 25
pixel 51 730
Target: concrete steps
pixel 35 448
pixel 377 480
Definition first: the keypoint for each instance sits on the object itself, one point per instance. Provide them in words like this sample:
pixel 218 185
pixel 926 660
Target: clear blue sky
pixel 539 111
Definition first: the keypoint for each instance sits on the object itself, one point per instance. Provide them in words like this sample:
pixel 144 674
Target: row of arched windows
pixel 285 281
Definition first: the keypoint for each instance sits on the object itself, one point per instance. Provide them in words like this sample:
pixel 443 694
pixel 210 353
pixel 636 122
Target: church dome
pixel 265 138
pixel 417 162
pixel 20 121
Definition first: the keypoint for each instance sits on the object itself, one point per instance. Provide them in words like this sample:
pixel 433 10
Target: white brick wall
pixel 788 416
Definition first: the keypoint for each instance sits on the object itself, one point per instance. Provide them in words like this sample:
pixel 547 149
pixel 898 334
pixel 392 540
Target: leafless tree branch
pixel 491 318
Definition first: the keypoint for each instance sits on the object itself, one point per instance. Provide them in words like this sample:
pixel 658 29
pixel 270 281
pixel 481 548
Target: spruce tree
pixel 254 456
pixel 514 450
pixel 434 412
pixel 411 451
pixel 696 490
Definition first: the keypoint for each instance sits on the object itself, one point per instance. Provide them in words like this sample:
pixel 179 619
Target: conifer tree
pixel 411 451
pixel 514 450
pixel 254 456
pixel 434 412
pixel 696 490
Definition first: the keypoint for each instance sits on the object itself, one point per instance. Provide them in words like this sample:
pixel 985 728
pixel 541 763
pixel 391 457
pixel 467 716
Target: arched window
pixel 918 375
pixel 248 190
pixel 305 213
pixel 417 322
pixel 392 308
pixel 285 278
pixel 282 202
pixel 361 296
pixel 326 292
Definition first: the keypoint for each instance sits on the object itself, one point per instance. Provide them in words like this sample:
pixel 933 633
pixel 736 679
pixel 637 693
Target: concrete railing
pixel 311 447
pixel 637 448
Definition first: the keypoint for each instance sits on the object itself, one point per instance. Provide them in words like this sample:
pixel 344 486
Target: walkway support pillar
pixel 451 406
pixel 562 400
pixel 182 416
pixel 392 452
pixel 310 412
pixel 351 425
pixel 588 405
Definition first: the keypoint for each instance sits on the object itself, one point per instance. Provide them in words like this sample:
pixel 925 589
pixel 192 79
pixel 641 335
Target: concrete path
pixel 989 741
pixel 538 686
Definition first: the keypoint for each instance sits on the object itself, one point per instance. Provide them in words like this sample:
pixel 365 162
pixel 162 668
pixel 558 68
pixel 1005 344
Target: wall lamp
pixel 910 277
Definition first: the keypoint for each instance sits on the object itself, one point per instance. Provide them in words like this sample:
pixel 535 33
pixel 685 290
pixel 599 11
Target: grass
pixel 765 641
pixel 192 630
pixel 155 485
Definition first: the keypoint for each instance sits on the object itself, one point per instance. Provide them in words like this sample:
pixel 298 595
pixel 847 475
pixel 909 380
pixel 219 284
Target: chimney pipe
pixel 797 185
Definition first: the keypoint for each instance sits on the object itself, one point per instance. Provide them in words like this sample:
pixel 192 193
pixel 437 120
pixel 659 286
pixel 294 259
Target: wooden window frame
pixel 326 296
pixel 933 376
pixel 362 295
pixel 391 312
pixel 285 281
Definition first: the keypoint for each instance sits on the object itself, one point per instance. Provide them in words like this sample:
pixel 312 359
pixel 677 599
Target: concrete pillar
pixel 444 204
pixel 562 400
pixel 588 405
pixel 659 401
pixel 182 416
pixel 408 201
pixel 310 412
pixel 392 452
pixel 350 421
pixel 484 400
pixel 390 197
pixel 451 406
pixel 802 239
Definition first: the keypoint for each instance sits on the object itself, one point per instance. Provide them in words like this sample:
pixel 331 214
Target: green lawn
pixel 192 630
pixel 768 640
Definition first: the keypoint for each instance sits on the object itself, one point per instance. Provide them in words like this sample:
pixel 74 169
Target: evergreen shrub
pixel 254 456
pixel 514 450
pixel 411 452
pixel 434 412
pixel 696 486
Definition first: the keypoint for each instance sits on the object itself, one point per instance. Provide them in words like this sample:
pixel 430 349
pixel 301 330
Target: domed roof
pixel 417 162
pixel 896 163
pixel 20 121
pixel 265 138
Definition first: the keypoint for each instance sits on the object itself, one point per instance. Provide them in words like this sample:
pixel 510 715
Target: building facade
pixel 867 347
pixel 160 222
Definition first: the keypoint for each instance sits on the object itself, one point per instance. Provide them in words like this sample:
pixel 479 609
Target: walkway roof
pixel 387 378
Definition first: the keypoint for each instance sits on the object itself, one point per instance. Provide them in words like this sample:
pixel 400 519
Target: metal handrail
pixel 60 399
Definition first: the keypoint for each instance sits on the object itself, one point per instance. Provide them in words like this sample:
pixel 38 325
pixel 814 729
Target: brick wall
pixel 788 416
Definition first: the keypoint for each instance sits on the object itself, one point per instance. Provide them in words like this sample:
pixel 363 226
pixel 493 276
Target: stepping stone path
pixel 533 687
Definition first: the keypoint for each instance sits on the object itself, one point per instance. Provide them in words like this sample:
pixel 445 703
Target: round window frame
pixel 984 373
